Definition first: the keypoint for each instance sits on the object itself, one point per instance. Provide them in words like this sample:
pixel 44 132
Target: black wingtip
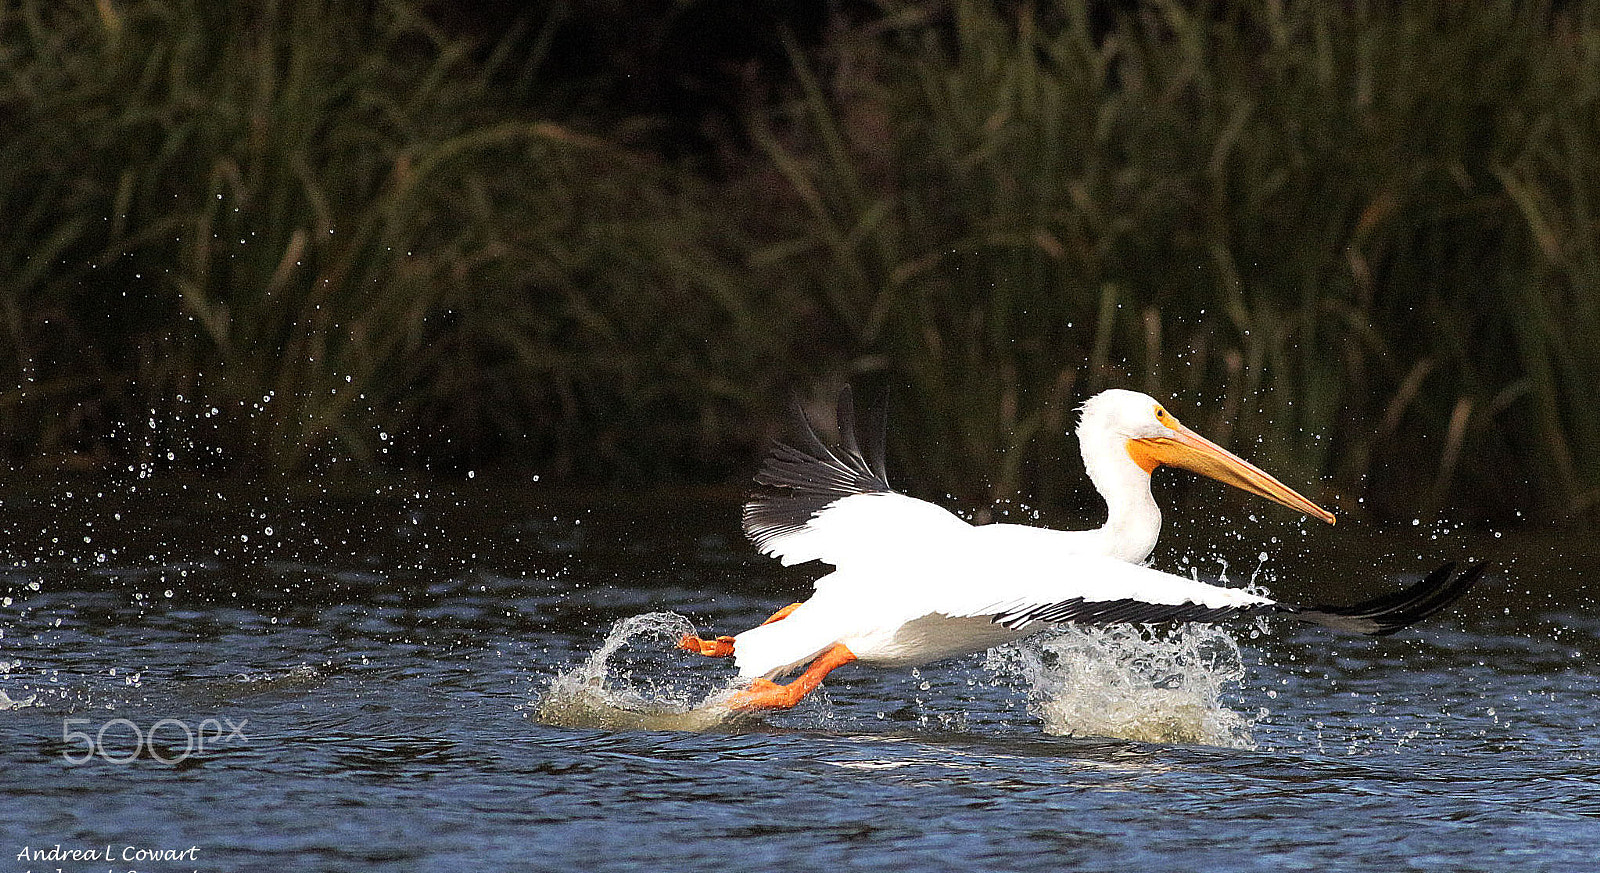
pixel 1396 611
pixel 807 475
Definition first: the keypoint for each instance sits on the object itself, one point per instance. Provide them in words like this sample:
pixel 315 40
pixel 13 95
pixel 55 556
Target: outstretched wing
pixel 1018 587
pixel 1141 595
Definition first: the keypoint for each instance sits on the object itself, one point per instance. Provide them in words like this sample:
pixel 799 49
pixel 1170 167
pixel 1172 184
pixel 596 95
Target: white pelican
pixel 913 583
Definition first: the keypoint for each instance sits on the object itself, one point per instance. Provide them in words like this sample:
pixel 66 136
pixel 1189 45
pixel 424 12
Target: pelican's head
pixel 1151 436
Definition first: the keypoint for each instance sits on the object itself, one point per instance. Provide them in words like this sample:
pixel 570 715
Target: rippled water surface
pixel 404 678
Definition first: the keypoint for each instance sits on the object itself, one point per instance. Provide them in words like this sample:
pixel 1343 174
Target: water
pixel 399 678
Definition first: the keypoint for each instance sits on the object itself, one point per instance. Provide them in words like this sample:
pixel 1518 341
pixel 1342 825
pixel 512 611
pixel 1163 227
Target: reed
pixel 1360 232
pixel 292 235
pixel 288 234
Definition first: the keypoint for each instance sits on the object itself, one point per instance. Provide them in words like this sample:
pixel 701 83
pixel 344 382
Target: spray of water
pixel 1129 682
pixel 1125 682
pixel 6 702
pixel 626 687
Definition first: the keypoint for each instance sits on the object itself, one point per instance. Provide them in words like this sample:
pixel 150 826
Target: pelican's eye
pixel 1161 414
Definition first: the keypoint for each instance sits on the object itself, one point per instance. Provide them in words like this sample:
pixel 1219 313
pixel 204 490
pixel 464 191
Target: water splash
pixel 7 703
pixel 6 700
pixel 1133 683
pixel 620 688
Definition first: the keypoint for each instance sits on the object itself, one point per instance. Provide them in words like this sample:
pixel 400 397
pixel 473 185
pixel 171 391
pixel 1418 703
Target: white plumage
pixel 913 583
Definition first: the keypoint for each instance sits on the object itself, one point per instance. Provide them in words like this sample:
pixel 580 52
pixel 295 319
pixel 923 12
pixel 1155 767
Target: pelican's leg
pixel 722 647
pixel 766 694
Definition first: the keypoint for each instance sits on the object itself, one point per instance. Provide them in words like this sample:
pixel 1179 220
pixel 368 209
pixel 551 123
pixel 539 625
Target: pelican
pixel 912 583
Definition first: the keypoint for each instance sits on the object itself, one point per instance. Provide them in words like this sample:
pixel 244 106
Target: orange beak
pixel 1193 452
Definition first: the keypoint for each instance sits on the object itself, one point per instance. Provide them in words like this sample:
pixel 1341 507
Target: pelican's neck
pixel 1133 521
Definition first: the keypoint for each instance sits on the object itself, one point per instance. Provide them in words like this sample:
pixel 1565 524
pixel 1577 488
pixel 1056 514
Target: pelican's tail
pixel 1384 615
pixel 777 648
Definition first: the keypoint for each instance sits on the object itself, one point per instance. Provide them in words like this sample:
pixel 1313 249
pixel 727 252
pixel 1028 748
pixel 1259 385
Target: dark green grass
pixel 279 235
pixel 1357 243
pixel 1361 234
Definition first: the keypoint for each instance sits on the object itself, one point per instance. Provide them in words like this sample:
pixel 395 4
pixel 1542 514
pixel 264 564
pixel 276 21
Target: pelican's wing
pixel 836 505
pixel 1019 588
pixel 1093 589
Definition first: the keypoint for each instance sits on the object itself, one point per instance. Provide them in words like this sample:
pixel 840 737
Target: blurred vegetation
pixel 1355 242
pixel 279 235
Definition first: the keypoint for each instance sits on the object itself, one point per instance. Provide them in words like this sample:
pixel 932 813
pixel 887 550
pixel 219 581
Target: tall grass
pixel 1361 232
pixel 1357 241
pixel 289 234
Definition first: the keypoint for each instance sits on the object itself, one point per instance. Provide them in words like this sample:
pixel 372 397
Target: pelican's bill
pixel 1190 451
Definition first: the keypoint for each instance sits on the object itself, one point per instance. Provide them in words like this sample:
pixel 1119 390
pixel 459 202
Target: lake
pixel 410 676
